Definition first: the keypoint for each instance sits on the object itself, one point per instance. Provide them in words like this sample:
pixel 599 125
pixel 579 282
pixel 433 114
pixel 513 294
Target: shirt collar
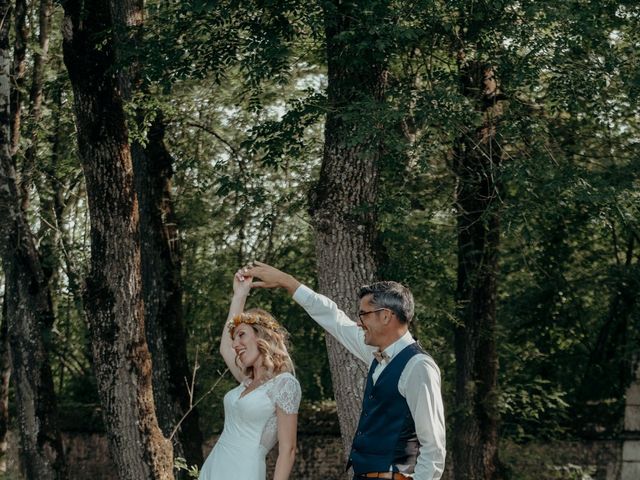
pixel 399 345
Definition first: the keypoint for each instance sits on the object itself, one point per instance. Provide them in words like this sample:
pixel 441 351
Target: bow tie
pixel 381 356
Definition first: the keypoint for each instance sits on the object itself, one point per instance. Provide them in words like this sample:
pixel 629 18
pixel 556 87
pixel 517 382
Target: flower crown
pixel 252 319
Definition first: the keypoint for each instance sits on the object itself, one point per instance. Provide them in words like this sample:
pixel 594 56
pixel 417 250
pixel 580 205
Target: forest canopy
pixel 485 154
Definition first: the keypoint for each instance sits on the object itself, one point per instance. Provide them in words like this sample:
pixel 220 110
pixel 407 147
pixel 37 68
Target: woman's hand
pixel 242 283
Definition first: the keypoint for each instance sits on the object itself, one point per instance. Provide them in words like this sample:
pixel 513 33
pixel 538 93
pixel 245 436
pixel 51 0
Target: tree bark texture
pixel 161 261
pixel 477 160
pixel 18 70
pixel 36 91
pixel 56 244
pixel 29 310
pixel 113 296
pixel 36 95
pixel 342 204
pixel 162 287
pixel 49 236
pixel 5 377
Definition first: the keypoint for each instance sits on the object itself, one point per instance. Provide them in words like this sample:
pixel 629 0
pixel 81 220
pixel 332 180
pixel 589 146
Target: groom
pixel 401 432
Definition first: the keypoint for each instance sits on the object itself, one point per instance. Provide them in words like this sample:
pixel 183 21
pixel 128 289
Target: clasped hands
pixel 269 277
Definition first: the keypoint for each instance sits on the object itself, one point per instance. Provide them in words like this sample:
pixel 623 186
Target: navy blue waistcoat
pixel 386 433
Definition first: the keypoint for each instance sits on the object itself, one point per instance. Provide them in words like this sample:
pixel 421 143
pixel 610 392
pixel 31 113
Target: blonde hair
pixel 272 341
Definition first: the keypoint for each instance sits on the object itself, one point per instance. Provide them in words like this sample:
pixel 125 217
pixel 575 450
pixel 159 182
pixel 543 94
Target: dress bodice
pixel 251 417
pixel 251 428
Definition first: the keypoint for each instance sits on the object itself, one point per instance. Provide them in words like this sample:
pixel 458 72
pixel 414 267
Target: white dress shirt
pixel 419 382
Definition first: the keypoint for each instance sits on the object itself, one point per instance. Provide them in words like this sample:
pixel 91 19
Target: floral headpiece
pixel 253 319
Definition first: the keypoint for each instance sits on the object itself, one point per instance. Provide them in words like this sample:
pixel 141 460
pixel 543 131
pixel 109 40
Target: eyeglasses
pixel 364 314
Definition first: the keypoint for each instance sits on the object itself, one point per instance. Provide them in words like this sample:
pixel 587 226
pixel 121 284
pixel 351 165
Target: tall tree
pixel 5 377
pixel 29 308
pixel 49 201
pixel 343 201
pixel 162 286
pixel 36 90
pixel 18 70
pixel 113 299
pixel 477 158
pixel 161 281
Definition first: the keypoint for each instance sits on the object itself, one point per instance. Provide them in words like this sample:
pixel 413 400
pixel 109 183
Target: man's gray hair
pixel 392 295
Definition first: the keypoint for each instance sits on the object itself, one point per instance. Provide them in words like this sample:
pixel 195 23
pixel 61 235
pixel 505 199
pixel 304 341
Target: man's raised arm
pixel 270 277
pixel 322 309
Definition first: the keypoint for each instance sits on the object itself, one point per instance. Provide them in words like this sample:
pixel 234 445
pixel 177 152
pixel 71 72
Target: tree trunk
pixel 54 204
pixel 162 286
pixel 5 376
pixel 36 92
pixel 161 261
pixel 476 166
pixel 40 57
pixel 342 204
pixel 113 297
pixel 49 236
pixel 18 71
pixel 29 309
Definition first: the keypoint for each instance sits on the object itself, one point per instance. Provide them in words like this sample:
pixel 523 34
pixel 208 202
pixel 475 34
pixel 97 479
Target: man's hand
pixel 271 277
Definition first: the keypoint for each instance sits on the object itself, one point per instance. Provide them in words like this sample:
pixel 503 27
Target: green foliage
pixel 568 178
pixel 205 39
pixel 242 86
pixel 237 201
pixel 180 464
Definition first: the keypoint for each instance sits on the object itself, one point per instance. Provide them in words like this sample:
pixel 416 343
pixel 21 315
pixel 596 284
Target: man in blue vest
pixel 401 432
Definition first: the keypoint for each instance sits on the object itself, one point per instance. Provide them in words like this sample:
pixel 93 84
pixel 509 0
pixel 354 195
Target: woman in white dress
pixel 263 409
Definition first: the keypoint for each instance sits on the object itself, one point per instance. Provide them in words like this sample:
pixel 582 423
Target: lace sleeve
pixel 287 393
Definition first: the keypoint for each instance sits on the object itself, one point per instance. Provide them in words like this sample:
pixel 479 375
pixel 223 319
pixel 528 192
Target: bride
pixel 262 410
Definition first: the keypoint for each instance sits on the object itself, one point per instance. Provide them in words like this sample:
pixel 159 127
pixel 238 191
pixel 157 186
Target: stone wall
pixel 597 460
pixel 320 458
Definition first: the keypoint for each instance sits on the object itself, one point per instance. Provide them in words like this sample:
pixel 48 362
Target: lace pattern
pixel 284 391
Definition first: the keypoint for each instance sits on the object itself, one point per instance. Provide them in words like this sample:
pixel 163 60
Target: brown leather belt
pixel 389 475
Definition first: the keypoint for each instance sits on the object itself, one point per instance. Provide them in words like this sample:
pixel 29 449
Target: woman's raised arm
pixel 241 289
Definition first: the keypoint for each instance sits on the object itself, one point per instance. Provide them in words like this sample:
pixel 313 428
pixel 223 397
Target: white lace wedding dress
pixel 250 429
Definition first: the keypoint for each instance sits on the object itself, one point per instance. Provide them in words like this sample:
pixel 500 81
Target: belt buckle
pixel 386 475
